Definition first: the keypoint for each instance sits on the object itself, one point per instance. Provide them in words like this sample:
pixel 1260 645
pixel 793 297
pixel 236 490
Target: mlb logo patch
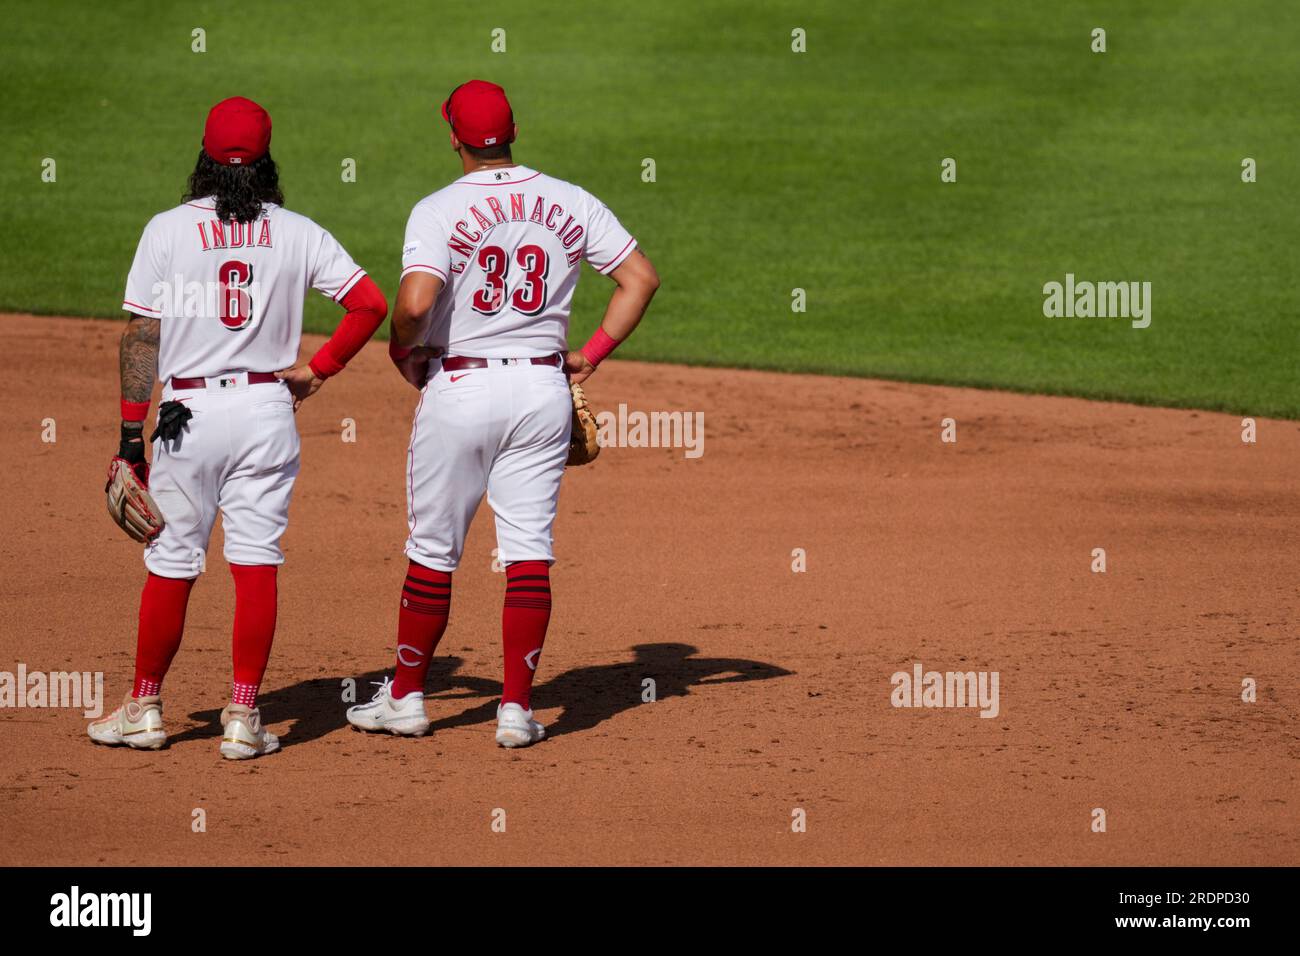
pixel 227 382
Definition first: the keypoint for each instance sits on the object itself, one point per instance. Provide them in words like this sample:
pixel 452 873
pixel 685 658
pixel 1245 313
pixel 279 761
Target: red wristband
pixel 598 346
pixel 396 352
pixel 134 411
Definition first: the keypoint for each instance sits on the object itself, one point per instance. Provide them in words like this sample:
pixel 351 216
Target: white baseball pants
pixel 501 430
pixel 238 455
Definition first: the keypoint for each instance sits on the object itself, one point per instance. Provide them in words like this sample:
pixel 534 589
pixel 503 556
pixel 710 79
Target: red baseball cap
pixel 237 132
pixel 480 114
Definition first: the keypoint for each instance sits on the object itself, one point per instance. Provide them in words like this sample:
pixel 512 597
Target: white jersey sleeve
pixel 425 248
pixel 608 243
pixel 333 272
pixel 148 275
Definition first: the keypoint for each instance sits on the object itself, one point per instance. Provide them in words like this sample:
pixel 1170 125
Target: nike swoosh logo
pixel 457 378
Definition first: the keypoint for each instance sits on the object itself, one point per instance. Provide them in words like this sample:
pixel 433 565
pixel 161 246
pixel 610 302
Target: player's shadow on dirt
pixel 316 707
pixel 590 695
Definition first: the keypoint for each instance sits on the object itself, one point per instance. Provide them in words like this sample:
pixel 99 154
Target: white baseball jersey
pixel 230 294
pixel 508 245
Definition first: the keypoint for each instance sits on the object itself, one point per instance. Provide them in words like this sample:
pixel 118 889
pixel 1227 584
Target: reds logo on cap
pixel 479 114
pixel 238 131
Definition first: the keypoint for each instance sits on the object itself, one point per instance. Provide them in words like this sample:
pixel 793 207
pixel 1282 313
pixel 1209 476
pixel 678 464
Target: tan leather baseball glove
pixel 583 446
pixel 130 505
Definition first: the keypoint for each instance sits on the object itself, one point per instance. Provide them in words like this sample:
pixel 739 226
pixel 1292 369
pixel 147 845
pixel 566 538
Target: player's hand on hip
pixel 302 382
pixel 577 367
pixel 415 366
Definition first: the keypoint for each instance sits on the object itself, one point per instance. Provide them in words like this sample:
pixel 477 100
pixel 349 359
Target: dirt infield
pixel 1119 690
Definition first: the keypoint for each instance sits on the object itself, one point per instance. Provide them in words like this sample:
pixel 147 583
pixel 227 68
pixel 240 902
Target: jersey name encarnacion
pixel 545 213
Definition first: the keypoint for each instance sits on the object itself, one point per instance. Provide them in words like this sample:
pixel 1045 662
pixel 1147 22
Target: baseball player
pixel 215 296
pixel 480 327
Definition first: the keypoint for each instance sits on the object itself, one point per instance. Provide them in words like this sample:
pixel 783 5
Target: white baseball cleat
pixel 516 727
pixel 137 723
pixel 243 736
pixel 404 717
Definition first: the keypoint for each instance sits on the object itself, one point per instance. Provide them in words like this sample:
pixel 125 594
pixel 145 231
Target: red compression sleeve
pixel 366 307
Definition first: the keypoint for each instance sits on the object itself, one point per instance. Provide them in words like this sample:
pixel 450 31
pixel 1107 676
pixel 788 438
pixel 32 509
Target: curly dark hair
pixel 238 190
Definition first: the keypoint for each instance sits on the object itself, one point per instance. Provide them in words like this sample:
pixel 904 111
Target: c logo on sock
pixel 401 655
pixel 531 659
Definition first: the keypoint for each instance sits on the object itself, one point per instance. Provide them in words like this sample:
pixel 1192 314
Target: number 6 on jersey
pixel 236 311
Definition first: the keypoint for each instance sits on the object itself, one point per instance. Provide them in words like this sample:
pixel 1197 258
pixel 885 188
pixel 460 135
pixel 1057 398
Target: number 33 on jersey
pixel 508 245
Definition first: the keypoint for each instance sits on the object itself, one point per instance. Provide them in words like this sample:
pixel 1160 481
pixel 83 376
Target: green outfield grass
pixel 775 170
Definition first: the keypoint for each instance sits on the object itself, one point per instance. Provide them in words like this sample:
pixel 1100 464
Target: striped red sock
pixel 255 607
pixel 523 627
pixel 421 621
pixel 162 622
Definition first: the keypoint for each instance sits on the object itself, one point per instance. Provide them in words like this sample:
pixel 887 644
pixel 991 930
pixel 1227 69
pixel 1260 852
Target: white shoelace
pixel 383 686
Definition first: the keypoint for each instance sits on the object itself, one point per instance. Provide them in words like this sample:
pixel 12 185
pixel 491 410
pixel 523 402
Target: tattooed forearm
pixel 138 357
